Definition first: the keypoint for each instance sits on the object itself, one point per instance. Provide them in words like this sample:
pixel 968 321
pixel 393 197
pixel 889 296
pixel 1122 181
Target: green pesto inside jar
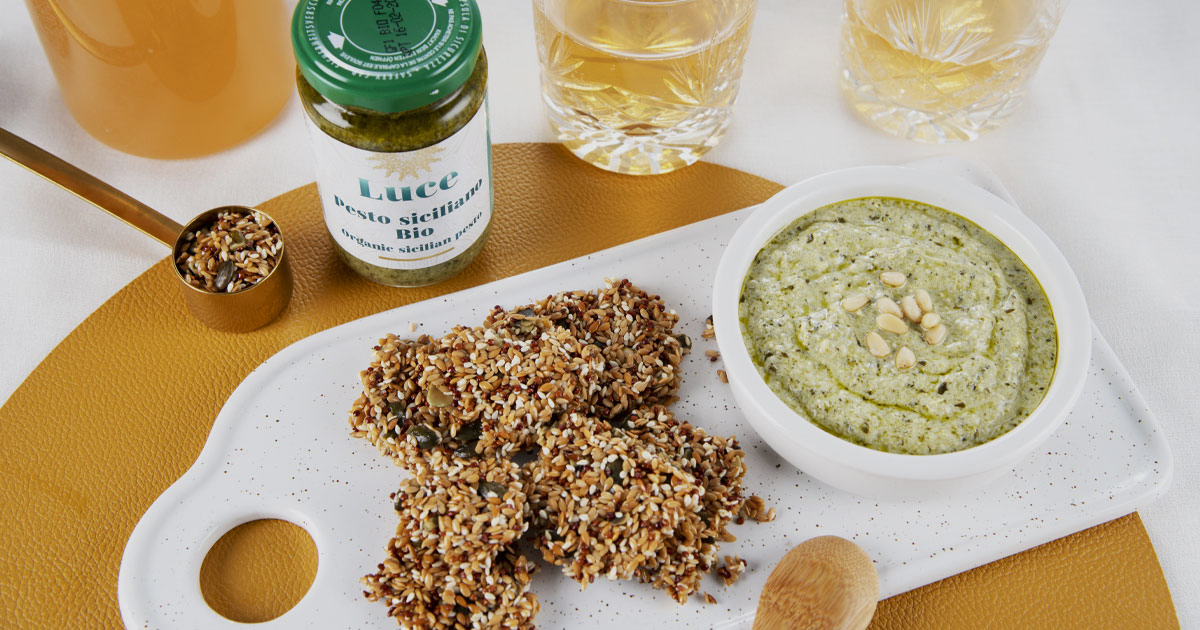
pixel 399 131
pixel 409 130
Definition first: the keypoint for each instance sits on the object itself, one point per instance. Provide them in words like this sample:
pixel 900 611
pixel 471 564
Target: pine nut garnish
pixel 924 301
pixel 935 335
pixel 905 358
pixel 855 302
pixel 887 305
pixel 877 346
pixel 911 311
pixel 930 320
pixel 893 278
pixel 891 323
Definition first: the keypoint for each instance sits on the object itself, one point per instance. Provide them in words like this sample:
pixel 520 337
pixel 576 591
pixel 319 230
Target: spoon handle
pixel 92 190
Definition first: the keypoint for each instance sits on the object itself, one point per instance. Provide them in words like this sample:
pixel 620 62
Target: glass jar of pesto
pixel 396 97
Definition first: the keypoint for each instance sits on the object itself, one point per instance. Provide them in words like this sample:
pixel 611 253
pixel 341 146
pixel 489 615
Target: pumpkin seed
pixel 397 409
pixel 466 450
pixel 614 469
pixel 685 341
pixel 620 421
pixel 469 433
pixel 527 325
pixel 237 238
pixel 425 437
pixel 489 489
pixel 225 275
pixel 436 397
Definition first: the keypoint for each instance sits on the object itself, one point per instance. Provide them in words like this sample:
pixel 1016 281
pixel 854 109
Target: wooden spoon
pixel 826 583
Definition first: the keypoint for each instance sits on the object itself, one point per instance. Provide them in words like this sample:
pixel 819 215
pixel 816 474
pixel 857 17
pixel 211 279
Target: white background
pixel 1103 155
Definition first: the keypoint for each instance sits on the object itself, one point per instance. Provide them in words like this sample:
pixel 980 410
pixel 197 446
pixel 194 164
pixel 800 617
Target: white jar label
pixel 409 209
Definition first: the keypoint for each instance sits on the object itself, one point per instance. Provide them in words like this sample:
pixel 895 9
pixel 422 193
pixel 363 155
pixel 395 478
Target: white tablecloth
pixel 1103 155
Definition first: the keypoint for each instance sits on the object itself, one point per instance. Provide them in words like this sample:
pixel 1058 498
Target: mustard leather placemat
pixel 122 407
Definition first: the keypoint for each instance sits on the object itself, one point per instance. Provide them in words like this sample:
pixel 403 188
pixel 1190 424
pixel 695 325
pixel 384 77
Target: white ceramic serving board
pixel 280 448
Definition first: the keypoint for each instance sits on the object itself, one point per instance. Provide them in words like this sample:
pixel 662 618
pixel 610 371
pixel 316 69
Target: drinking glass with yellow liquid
pixel 641 86
pixel 168 78
pixel 942 70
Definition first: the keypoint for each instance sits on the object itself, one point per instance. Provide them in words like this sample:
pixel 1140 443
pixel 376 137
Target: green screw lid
pixel 386 55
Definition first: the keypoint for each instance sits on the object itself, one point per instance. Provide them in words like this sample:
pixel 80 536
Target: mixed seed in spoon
pixel 232 254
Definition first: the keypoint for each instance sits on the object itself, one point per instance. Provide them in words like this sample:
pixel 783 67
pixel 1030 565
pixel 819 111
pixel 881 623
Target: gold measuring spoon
pixel 241 311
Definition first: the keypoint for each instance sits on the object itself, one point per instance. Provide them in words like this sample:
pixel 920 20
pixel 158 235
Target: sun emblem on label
pixel 406 165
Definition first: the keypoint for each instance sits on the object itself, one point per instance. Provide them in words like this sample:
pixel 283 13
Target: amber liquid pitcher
pixel 168 78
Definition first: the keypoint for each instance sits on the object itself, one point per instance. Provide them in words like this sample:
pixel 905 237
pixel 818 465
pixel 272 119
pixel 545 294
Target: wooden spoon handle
pixel 89 188
pixel 826 583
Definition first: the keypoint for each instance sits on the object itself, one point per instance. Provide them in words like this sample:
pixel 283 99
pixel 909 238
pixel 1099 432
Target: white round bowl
pixel 863 470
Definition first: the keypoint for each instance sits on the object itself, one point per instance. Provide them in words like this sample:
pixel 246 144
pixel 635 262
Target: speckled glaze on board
pixel 280 448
